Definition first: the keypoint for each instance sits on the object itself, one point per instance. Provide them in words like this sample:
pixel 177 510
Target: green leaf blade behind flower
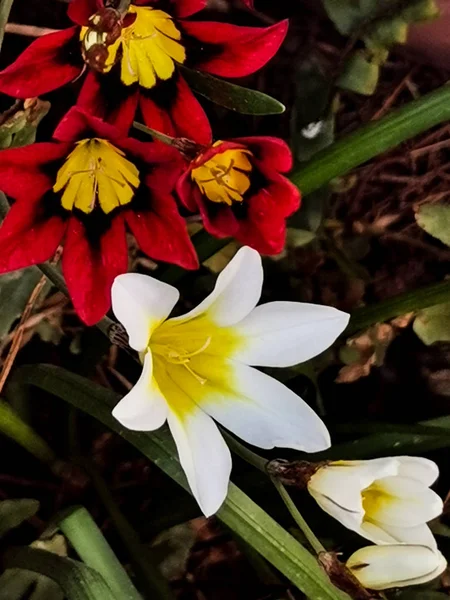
pixel 238 512
pixel 232 96
pixel 14 512
pixel 433 324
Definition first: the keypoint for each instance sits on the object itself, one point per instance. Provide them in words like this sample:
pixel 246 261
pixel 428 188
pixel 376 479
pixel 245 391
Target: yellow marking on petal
pixel 225 177
pixel 96 172
pixel 374 499
pixel 148 49
pixel 187 355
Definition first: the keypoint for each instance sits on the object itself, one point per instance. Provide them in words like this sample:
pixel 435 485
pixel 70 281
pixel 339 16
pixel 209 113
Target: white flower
pixel 196 367
pixel 384 567
pixel 386 500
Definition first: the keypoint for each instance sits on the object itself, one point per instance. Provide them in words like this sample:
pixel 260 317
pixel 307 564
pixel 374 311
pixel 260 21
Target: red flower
pixel 86 187
pixel 132 60
pixel 238 188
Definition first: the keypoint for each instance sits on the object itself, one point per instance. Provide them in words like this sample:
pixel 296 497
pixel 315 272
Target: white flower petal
pixel 144 408
pixel 141 303
pixel 204 456
pixel 282 334
pixel 384 567
pixel 342 482
pixel 420 535
pixel 416 467
pixel 262 411
pixel 402 502
pixel 237 290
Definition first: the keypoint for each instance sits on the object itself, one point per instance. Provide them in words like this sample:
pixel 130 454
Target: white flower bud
pixel 384 567
pixel 386 500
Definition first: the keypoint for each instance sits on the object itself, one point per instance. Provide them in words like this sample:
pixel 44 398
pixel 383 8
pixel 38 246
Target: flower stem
pixel 373 139
pixel 314 542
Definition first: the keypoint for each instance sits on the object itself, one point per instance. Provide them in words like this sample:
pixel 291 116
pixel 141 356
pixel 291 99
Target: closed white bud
pixel 401 565
pixel 386 500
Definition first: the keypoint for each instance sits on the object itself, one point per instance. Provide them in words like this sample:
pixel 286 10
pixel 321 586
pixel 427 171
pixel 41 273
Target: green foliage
pixel 78 581
pixel 435 220
pixel 20 128
pixel 238 512
pixel 232 96
pixel 433 324
pixel 21 584
pixel 380 24
pixel 14 512
pixel 15 290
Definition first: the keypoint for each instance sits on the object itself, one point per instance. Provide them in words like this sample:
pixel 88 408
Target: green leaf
pixel 20 584
pixel 360 74
pixel 296 238
pixel 15 291
pixel 433 324
pixel 232 96
pixel 76 580
pixel 91 546
pixel 312 122
pixel 238 512
pixel 373 139
pixel 435 220
pixel 5 9
pixel 14 512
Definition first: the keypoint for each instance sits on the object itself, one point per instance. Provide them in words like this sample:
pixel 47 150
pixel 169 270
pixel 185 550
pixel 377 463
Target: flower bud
pixel 384 567
pixel 386 500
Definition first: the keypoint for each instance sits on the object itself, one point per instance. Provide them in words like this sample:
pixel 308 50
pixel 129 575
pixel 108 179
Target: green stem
pixel 374 139
pixel 5 9
pixel 253 459
pixel 431 295
pixel 314 542
pixel 90 545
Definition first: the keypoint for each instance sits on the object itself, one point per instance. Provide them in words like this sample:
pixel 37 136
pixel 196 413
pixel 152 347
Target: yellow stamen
pixel 148 49
pixel 225 177
pixel 96 172
pixel 183 358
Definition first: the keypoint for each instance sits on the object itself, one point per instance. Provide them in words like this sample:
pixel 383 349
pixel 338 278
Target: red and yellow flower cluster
pixel 93 182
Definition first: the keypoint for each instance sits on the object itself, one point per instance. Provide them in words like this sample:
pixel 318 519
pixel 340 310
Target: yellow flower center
pixel 96 172
pixel 374 498
pixel 187 355
pixel 147 49
pixel 225 177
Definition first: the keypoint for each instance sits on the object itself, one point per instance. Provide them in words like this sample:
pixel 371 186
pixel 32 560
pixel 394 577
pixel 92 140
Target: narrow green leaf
pixel 82 532
pixel 12 426
pixel 435 220
pixel 15 291
pixel 15 512
pixel 437 293
pixel 20 584
pixel 232 96
pixel 374 139
pixel 77 581
pixel 5 9
pixel 238 512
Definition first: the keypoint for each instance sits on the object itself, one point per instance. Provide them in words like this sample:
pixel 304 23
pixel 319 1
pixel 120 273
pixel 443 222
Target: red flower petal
pixel 21 173
pixel 186 192
pixel 218 219
pixel 78 124
pixel 264 229
pixel 161 232
pixel 243 50
pixel 79 11
pixel 273 152
pixel 184 117
pixel 97 99
pixel 29 234
pixel 90 269
pixel 44 66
